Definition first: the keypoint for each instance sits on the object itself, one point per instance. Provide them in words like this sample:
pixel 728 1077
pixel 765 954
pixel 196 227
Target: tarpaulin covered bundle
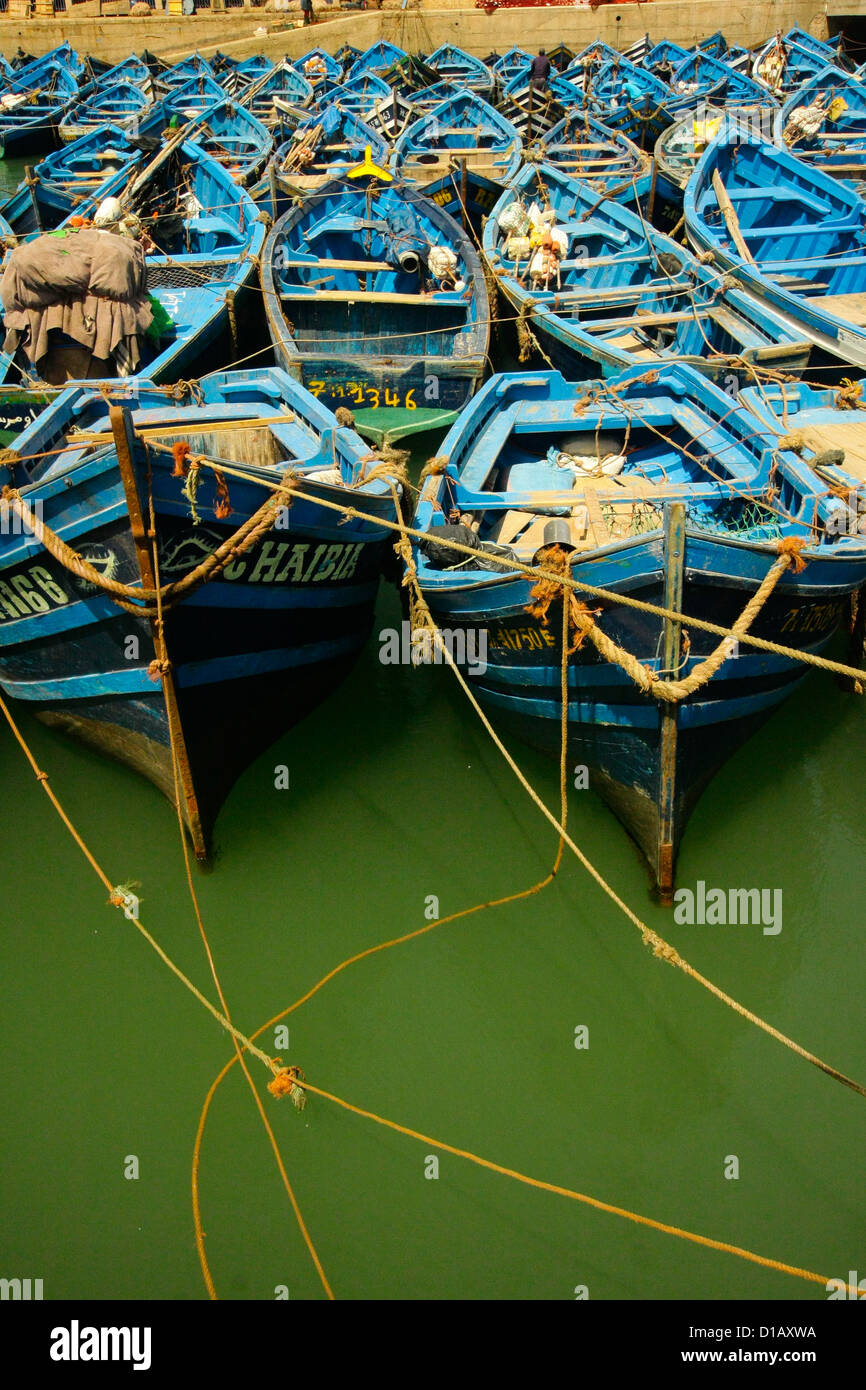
pixel 91 285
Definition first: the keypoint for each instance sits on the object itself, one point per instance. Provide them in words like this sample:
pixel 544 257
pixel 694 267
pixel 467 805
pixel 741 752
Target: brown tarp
pixel 90 285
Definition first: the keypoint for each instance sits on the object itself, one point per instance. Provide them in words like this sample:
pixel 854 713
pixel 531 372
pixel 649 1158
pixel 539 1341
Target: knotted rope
pixel 584 626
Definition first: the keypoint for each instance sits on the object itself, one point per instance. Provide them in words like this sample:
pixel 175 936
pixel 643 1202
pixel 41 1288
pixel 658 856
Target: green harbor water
pixel 467 1034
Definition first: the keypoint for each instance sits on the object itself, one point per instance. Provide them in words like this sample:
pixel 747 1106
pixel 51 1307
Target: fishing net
pixel 746 520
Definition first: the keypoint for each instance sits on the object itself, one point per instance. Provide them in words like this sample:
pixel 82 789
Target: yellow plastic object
pixel 705 131
pixel 368 167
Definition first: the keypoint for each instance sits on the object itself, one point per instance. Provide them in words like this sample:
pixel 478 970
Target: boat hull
pixel 614 731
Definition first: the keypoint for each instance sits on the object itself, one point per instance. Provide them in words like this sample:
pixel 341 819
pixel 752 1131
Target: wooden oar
pixel 732 222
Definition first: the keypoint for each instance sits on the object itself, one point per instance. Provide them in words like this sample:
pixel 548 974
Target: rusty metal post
pixel 675 546
pixel 124 439
pixel 30 179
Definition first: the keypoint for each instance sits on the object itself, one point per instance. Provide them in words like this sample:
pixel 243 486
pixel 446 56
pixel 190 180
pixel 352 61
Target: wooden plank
pixel 342 265
pixel 638 321
pixel 376 297
pixel 596 519
pixel 732 222
pixel 845 306
pixel 848 436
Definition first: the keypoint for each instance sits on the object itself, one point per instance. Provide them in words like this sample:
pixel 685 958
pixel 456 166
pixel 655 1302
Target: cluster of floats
pixel 391 220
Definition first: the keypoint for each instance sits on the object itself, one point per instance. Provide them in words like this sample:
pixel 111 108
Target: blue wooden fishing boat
pixel 123 104
pixel 279 94
pixel 376 58
pixel 656 486
pixel 325 147
pixel 189 69
pixel 319 66
pixel 253 648
pixel 64 55
pixel 716 44
pixel 700 78
pixel 77 171
pixel 582 148
pixel 561 56
pixel 510 65
pixel 628 98
pixel 679 148
pixel 792 235
pixel 194 97
pixel 247 72
pixel 663 58
pixel 831 49
pixel 359 94
pixel 231 135
pixel 532 110
pixel 376 300
pixel 32 105
pixel 422 100
pixel 464 132
pixel 130 70
pixel 411 76
pixel 782 67
pixel 591 58
pixel 454 64
pixel 207 237
pixel 388 115
pixel 599 287
pixel 824 123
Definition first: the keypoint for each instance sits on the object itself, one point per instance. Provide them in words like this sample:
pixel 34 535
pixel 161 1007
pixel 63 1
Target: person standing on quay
pixel 307 11
pixel 539 70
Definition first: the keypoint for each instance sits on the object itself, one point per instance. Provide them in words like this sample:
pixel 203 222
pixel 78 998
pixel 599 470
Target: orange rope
pixel 384 946
pixel 162 654
pixel 596 1202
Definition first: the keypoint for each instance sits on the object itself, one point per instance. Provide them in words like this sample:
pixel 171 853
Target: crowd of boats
pixel 633 291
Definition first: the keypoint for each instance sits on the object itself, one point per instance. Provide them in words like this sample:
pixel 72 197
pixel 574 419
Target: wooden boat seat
pixel 797 282
pixel 631 343
pixel 851 307
pixel 847 435
pixel 443 299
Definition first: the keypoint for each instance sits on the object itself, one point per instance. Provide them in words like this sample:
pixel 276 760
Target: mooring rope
pixel 292 1080
pixel 163 659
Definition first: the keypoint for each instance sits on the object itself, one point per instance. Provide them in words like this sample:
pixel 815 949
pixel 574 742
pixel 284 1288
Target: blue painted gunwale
pixel 612 162
pixel 465 122
pixel 192 286
pixel 498 463
pixel 376 58
pixel 813 236
pixel 375 354
pixel 701 77
pixel 612 270
pixel 456 65
pixel 121 104
pixel 283 88
pixel 233 137
pixel 333 70
pixel 838 147
pixel 629 98
pixel 33 128
pixel 340 146
pixel 273 634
